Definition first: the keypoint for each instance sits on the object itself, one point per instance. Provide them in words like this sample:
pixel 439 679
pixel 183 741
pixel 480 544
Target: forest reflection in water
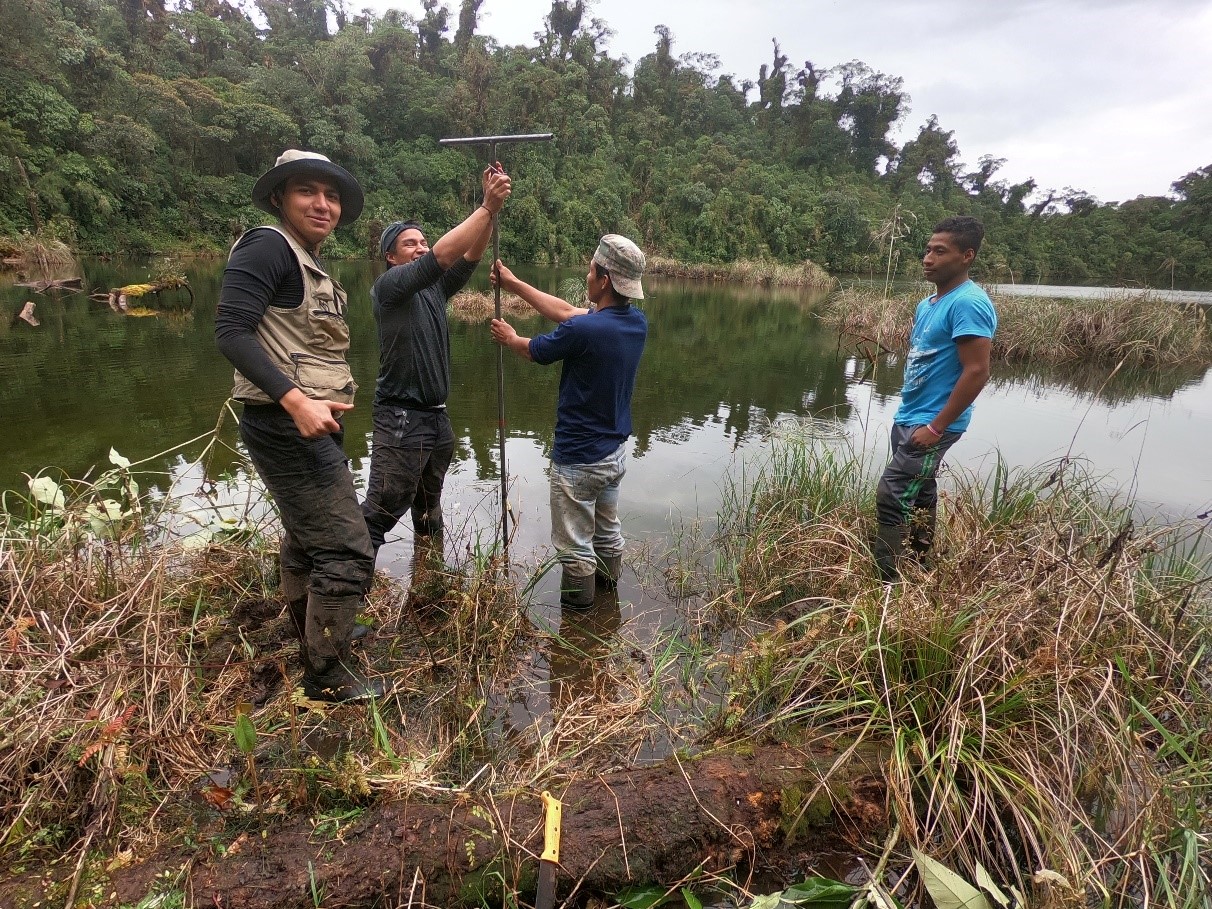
pixel 723 364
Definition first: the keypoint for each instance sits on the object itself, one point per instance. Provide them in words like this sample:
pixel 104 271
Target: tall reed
pixel 1042 691
pixel 746 271
pixel 1132 329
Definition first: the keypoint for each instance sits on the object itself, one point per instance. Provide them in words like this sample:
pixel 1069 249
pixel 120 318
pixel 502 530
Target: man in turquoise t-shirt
pixel 947 366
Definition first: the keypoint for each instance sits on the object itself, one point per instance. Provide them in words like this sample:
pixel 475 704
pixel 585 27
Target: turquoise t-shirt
pixel 933 365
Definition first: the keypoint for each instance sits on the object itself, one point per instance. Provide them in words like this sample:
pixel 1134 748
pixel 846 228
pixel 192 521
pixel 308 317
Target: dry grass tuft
pixel 35 252
pixel 746 271
pixel 480 306
pixel 1128 328
pixel 1043 690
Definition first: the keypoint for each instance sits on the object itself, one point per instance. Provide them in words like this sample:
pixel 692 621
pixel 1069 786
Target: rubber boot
pixel 608 570
pixel 428 524
pixel 888 547
pixel 577 590
pixel 329 672
pixel 921 535
pixel 294 591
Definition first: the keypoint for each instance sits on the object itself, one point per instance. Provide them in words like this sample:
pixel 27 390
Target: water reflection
pixel 576 658
pixel 721 365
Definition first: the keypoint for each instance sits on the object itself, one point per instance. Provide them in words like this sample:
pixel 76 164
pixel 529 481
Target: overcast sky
pixel 1113 97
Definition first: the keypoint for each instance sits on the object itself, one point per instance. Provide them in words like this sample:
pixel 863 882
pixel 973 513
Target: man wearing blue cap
pixel 600 346
pixel 281 322
pixel 413 439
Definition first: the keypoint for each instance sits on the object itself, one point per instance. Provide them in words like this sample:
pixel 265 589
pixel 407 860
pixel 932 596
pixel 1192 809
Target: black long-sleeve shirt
pixel 414 337
pixel 262 272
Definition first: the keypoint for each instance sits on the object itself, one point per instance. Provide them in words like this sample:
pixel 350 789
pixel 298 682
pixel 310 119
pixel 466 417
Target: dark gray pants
pixel 411 453
pixel 907 494
pixel 323 532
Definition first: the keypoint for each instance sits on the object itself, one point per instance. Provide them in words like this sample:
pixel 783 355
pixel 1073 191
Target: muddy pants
pixel 907 495
pixel 412 452
pixel 323 533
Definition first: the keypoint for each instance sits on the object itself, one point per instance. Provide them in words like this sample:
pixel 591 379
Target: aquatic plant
pixel 1129 328
pixel 1041 691
pixel 746 271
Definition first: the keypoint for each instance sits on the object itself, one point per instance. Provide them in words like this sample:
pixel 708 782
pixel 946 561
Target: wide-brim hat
pixel 293 162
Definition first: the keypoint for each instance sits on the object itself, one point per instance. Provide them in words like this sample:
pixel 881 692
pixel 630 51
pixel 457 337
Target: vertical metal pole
pixel 496 254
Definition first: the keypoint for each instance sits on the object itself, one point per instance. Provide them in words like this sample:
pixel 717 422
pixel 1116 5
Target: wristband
pixel 934 432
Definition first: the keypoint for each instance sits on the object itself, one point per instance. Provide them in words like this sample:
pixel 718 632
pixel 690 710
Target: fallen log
pixel 649 825
pixel 41 287
pixel 119 298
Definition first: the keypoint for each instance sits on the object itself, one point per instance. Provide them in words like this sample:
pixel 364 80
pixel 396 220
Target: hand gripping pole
pixel 492 142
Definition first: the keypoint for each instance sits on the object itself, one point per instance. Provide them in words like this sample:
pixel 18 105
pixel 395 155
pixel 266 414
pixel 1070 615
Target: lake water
pixel 722 366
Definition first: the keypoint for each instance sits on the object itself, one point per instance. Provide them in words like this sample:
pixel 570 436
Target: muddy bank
pixel 750 811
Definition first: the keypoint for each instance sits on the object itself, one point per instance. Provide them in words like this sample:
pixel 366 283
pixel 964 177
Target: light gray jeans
pixel 585 511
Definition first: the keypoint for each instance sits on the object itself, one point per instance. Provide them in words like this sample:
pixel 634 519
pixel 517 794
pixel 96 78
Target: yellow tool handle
pixel 552 808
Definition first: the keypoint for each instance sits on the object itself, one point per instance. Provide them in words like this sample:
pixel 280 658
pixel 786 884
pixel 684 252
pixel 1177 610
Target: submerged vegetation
pixel 1133 329
pixel 1039 694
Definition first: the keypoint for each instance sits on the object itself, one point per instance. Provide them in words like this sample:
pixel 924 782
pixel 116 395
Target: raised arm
pixel 550 307
pixel 469 239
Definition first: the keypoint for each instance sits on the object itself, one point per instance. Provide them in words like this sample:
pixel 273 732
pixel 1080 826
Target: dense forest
pixel 139 126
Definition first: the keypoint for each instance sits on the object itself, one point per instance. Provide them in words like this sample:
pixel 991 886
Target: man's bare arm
pixel 546 305
pixel 974 356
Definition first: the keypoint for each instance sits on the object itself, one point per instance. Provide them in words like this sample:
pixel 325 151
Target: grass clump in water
pixel 746 271
pixel 1129 328
pixel 1042 693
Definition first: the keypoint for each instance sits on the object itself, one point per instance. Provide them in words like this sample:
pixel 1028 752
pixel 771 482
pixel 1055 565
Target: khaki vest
pixel 307 342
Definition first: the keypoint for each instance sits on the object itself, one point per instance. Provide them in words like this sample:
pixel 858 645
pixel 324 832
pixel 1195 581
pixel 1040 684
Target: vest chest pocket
pixel 326 380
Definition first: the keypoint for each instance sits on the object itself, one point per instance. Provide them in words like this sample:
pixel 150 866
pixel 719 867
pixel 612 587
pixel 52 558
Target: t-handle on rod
pixel 492 142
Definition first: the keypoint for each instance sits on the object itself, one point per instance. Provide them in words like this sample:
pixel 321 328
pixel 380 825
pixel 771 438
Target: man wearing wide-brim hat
pixel 600 347
pixel 281 322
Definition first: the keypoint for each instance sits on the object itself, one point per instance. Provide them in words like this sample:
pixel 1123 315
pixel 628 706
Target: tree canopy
pixel 133 126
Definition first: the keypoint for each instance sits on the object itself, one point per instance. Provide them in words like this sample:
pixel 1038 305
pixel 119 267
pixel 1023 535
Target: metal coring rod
pixel 492 142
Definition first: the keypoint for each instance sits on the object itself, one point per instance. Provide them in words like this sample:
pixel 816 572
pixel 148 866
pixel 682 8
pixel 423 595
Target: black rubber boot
pixel 428 524
pixel 921 535
pixel 293 588
pixel 608 570
pixel 329 672
pixel 577 590
pixel 294 591
pixel 888 547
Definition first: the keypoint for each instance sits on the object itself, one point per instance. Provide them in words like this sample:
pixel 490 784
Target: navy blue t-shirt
pixel 601 353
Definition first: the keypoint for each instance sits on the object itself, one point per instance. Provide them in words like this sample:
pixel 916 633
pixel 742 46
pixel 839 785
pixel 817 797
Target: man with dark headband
pixel 413 439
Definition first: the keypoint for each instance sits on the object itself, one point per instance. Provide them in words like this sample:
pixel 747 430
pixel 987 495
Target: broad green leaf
pixel 640 897
pixel 946 888
pixel 985 882
pixel 875 895
pixel 692 901
pixel 117 460
pixel 769 901
pixel 246 734
pixel 47 492
pixel 820 893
